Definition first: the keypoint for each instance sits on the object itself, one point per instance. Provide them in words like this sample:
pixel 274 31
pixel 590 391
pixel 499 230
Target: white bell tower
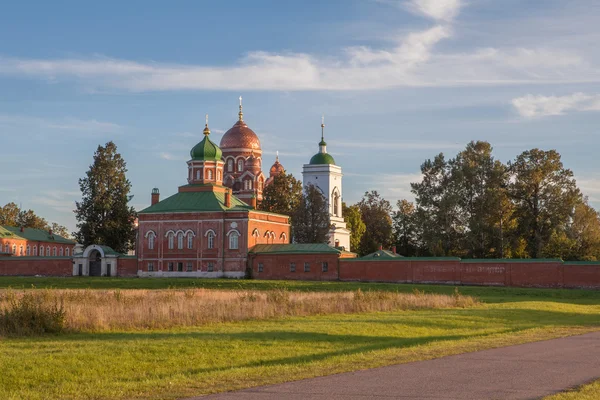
pixel 322 172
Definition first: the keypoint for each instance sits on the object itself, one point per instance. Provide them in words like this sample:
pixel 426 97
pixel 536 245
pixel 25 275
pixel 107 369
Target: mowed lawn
pixel 177 363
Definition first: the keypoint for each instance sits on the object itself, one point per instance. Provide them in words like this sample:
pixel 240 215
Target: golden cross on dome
pixel 206 130
pixel 241 114
pixel 322 127
pixel 206 119
pixel 277 156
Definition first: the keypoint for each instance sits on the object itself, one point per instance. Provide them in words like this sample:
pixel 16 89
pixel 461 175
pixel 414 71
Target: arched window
pixel 283 237
pixel 41 251
pixel 35 251
pixel 190 241
pixel 67 252
pixel 230 165
pixel 14 249
pixel 48 251
pixel 198 176
pixel 54 251
pixel 61 252
pixel 151 238
pixel 28 250
pixel 240 165
pixel 234 240
pixel 218 175
pixel 211 240
pixel 171 239
pixel 180 240
pixel 210 175
pixel 6 248
pixel 336 204
pixel 21 250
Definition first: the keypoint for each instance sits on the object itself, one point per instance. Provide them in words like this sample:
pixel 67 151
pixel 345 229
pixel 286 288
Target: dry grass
pixel 103 310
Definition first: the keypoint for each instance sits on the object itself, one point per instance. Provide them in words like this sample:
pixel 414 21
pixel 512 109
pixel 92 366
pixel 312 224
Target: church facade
pixel 208 226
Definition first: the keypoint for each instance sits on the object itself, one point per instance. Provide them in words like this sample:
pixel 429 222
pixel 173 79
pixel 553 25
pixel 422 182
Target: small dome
pixel 206 150
pixel 276 169
pixel 252 163
pixel 240 137
pixel 322 158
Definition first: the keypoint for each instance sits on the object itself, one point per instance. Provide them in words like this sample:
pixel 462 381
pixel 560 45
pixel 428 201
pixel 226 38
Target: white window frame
pixel 210 239
pixel 35 251
pixel 180 240
pixel 42 251
pixel 28 250
pixel 61 252
pixel 67 252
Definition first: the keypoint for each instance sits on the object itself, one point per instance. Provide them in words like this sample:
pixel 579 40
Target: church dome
pixel 322 158
pixel 240 137
pixel 206 150
pixel 276 168
pixel 252 163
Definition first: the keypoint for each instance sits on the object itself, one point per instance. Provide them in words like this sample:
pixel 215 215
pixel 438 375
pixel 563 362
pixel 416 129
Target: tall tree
pixel 283 195
pixel 355 224
pixel 60 230
pixel 584 232
pixel 545 195
pixel 438 209
pixel 310 221
pixel 405 228
pixel 28 219
pixel 9 214
pixel 103 214
pixel 480 182
pixel 376 215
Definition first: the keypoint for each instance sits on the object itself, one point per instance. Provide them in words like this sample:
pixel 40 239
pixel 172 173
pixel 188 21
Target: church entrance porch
pixel 96 260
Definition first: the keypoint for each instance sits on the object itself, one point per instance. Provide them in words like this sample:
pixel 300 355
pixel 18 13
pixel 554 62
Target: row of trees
pixel 475 206
pixel 12 215
pixel 471 206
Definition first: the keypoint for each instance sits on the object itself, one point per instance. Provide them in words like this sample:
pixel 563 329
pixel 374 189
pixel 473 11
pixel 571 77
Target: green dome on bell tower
pixel 206 150
pixel 322 157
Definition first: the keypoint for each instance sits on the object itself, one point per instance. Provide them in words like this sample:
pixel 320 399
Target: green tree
pixel 310 221
pixel 282 196
pixel 545 195
pixel 9 214
pixel 355 224
pixel 28 219
pixel 584 231
pixel 405 228
pixel 103 214
pixel 60 230
pixel 376 215
pixel 439 212
pixel 479 182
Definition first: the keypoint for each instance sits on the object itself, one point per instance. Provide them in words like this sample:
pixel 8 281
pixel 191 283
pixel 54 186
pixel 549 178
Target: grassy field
pixel 180 362
pixel 585 392
pixel 487 294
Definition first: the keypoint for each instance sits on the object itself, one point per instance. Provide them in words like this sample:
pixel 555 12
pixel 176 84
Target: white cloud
pixel 396 146
pixel 445 10
pixel 531 106
pixel 64 124
pixel 410 61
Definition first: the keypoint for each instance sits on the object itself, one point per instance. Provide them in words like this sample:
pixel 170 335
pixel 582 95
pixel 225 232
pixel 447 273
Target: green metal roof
pixel 322 158
pixel 296 248
pixel 108 251
pixel 31 234
pixel 382 255
pixel 195 202
pixel 206 150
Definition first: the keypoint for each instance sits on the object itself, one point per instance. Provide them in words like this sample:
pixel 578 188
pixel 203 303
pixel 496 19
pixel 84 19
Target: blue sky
pixel 398 81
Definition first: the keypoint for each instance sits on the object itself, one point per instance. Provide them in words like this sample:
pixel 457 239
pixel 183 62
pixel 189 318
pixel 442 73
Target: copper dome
pixel 252 163
pixel 240 137
pixel 276 169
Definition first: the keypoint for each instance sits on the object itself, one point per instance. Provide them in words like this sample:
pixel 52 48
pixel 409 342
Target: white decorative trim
pixel 209 230
pixel 149 232
pixel 234 230
pixel 188 232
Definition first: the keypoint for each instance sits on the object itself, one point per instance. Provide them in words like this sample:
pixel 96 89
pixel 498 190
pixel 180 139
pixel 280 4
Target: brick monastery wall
pixel 518 273
pixel 29 266
pixel 278 266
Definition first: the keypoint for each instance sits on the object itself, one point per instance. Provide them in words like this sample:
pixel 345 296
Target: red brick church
pixel 208 226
